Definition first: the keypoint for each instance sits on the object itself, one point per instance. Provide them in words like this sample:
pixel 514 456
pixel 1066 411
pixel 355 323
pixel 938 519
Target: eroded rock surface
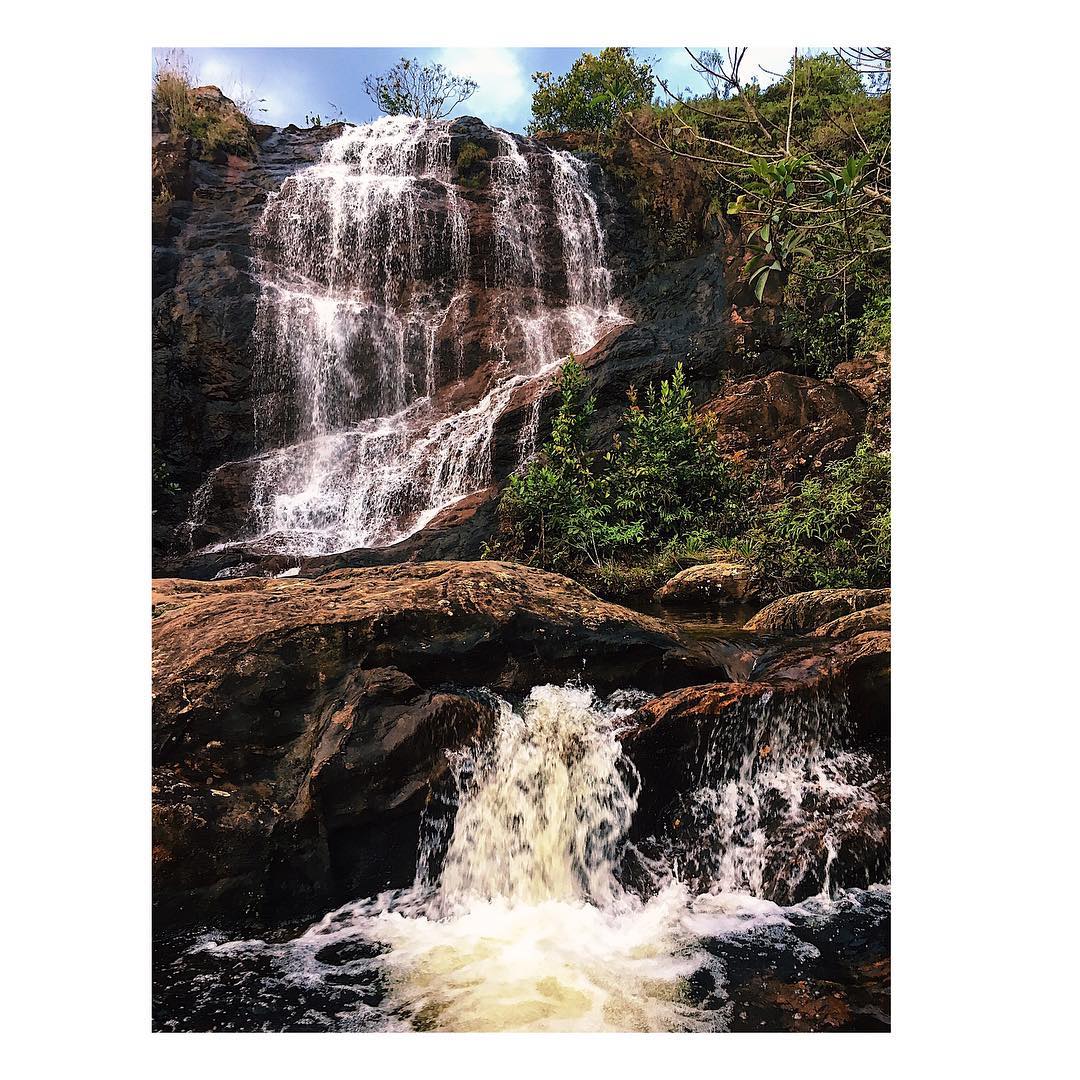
pixel 300 725
pixel 793 423
pixel 723 582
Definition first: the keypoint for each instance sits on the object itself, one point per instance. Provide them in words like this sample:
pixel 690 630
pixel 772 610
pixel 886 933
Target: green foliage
pixel 227 130
pixel 662 484
pixel 833 532
pixel 470 163
pixel 172 98
pixel 823 330
pixel 163 487
pixel 410 88
pixel 316 120
pixel 875 326
pixel 804 170
pixel 593 94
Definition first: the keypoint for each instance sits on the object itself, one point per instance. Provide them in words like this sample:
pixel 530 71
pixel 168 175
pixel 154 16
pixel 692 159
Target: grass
pixel 218 124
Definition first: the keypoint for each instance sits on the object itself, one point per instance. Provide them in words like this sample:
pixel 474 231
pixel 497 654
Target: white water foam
pixel 526 925
pixel 366 280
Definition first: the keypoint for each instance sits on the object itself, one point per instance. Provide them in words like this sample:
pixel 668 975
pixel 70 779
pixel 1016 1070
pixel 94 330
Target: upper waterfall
pixel 410 281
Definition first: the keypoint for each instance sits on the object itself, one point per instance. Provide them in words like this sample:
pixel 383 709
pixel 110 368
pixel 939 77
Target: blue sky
pixel 296 82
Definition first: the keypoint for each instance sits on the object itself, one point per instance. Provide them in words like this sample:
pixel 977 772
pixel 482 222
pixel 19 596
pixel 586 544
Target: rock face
pixel 701 752
pixel 299 726
pixel 802 612
pixel 674 294
pixel 858 622
pixel 793 423
pixel 458 532
pixel 204 301
pixel 725 582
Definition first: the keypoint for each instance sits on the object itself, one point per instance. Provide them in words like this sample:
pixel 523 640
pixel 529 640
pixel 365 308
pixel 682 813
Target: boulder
pixel 858 622
pixel 723 582
pixel 300 726
pixel 803 612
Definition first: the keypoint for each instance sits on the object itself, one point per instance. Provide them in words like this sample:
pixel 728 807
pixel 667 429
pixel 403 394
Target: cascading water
pixel 399 312
pixel 531 911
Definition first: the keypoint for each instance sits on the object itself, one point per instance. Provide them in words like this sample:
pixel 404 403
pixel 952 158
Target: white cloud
pixel 268 101
pixel 504 89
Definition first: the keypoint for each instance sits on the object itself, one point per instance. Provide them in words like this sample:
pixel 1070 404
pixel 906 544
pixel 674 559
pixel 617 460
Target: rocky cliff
pixel 206 218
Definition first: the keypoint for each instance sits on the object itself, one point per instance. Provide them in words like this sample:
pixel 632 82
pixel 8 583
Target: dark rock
pixel 472 129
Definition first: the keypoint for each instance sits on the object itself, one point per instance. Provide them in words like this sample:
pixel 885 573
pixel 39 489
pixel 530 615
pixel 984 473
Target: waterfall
pixel 400 310
pixel 779 799
pixel 522 915
pixel 543 806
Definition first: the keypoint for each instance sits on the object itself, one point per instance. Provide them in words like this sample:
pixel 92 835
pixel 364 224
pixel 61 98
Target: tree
pixel 593 94
pixel 803 167
pixel 410 88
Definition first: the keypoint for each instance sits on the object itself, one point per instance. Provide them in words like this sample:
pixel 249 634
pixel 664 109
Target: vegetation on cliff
pixel 203 113
pixel 798 177
pixel 663 496
pixel 799 173
pixel 832 532
pixel 662 485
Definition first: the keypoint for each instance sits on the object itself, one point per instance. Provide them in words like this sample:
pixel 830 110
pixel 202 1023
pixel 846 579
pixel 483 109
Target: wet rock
pixel 724 582
pixel 471 129
pixel 204 302
pixel 324 709
pixel 861 664
pixel 802 612
pixel 698 750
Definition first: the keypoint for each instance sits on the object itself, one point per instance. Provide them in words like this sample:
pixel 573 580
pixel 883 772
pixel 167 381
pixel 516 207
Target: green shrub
pixel 662 485
pixel 470 163
pixel 875 327
pixel 593 94
pixel 227 130
pixel 834 532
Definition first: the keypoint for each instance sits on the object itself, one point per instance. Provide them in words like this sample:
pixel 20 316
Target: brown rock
pixel 802 612
pixel 721 582
pixel 858 622
pixel 324 709
pixel 794 423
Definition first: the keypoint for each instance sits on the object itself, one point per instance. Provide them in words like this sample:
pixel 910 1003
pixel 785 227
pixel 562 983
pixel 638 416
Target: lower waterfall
pixel 531 909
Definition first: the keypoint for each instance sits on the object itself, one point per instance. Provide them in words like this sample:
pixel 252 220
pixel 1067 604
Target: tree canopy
pixel 593 94
pixel 410 88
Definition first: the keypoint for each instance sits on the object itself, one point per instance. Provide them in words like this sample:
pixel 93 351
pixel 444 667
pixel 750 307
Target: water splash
pixel 779 800
pixel 519 918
